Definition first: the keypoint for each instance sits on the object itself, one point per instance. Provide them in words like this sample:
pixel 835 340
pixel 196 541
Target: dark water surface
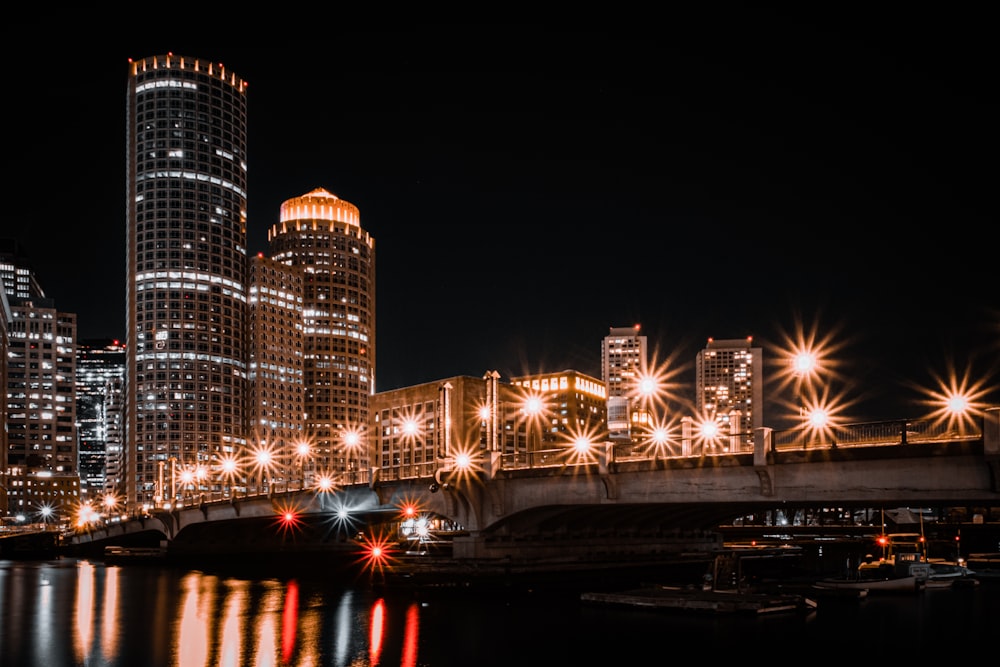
pixel 79 612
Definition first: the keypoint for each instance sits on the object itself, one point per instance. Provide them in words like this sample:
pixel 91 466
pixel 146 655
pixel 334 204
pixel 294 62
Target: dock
pixel 706 601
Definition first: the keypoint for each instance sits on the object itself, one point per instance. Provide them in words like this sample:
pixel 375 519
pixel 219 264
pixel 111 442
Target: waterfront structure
pixel 100 384
pixel 729 388
pixel 276 408
pixel 321 236
pixel 186 375
pixel 623 359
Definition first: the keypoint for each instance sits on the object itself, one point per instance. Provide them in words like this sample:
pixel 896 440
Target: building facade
pixel 41 400
pixel 100 390
pixel 729 388
pixel 553 411
pixel 276 408
pixel 186 294
pixel 623 360
pixel 321 236
pixel 531 420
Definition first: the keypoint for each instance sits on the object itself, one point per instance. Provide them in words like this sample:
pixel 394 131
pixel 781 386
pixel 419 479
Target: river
pixel 77 612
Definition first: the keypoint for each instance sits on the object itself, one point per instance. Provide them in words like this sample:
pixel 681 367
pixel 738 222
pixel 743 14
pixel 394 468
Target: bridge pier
pixel 763 461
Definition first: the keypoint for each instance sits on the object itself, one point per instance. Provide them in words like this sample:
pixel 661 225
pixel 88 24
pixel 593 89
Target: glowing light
pixel 289 518
pixel 289 622
pixel 352 437
pixel 376 632
pixel 660 438
pixel 957 401
pixel 580 445
pixel 376 552
pixel 325 483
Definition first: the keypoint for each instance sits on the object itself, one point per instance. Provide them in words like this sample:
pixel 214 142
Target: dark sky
pixel 750 175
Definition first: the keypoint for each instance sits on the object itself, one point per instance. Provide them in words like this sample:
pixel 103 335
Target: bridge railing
pixel 898 432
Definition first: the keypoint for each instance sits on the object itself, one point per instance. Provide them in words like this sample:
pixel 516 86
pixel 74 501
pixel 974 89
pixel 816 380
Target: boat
pixel 872 584
pixel 906 552
pixel 698 600
pixel 902 569
pixel 118 555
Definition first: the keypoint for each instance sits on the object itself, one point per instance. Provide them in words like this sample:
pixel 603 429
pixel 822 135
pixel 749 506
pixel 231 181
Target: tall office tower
pixel 41 391
pixel 15 272
pixel 623 359
pixel 5 317
pixel 321 234
pixel 729 385
pixel 186 270
pixel 276 407
pixel 100 383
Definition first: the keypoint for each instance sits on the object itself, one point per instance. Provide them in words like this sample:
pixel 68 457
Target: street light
pixel 263 459
pixel 532 409
pixel 302 450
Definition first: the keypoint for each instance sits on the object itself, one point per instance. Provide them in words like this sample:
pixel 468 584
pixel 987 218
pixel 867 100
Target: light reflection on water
pixel 81 613
pixel 56 613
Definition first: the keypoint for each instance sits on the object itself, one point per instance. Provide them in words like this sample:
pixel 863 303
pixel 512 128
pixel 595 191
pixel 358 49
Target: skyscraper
pixel 100 380
pixel 729 386
pixel 186 262
pixel 623 360
pixel 276 407
pixel 321 235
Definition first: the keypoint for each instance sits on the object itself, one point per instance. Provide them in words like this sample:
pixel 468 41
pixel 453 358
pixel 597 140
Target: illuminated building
pixel 5 318
pixel 321 235
pixel 41 394
pixel 276 405
pixel 186 260
pixel 100 382
pixel 729 385
pixel 572 405
pixel 415 428
pixel 623 358
pixel 15 272
pixel 39 374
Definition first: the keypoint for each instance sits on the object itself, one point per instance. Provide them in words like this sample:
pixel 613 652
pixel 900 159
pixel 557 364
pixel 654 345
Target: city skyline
pixel 735 159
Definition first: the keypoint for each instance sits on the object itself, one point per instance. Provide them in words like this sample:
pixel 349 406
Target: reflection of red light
pixel 289 621
pixel 375 632
pixel 410 636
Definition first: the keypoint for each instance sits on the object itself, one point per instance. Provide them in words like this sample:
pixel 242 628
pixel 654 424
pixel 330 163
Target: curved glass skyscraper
pixel 187 266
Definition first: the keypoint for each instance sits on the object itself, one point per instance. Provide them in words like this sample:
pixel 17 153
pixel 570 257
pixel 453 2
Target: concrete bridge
pixel 560 500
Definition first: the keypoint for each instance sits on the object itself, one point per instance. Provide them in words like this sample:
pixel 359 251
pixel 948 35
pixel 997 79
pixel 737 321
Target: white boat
pixel 873 585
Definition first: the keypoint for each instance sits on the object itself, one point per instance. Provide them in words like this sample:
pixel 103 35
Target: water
pixel 78 612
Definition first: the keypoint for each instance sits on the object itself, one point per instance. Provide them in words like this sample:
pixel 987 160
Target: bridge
pixel 608 498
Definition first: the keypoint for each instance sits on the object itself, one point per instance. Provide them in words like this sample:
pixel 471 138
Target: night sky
pixel 759 174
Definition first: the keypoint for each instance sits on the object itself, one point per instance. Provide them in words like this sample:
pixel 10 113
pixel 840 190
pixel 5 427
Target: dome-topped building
pixel 321 234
